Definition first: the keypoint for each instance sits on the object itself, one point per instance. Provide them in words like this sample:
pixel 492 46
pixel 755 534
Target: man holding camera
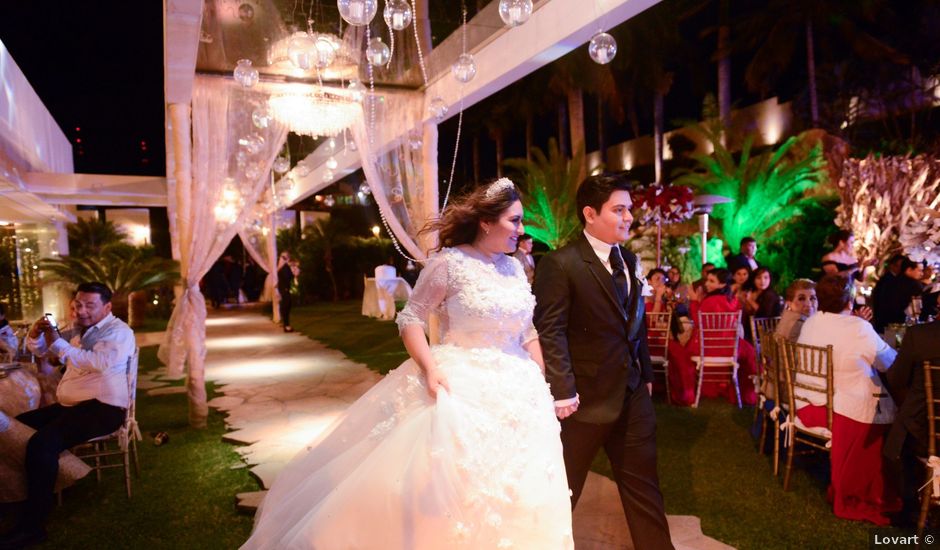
pixel 92 399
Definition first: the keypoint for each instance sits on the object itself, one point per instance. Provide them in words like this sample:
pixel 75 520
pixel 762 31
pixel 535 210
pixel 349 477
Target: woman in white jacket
pixel 862 408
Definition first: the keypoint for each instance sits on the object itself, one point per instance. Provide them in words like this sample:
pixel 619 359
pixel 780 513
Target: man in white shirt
pixel 523 253
pixel 92 395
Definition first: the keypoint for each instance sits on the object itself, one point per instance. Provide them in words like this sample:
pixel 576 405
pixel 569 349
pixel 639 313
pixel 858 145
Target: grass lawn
pixel 185 495
pixel 708 463
pixel 184 498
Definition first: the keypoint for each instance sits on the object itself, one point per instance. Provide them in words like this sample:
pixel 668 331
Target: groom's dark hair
pixel 595 190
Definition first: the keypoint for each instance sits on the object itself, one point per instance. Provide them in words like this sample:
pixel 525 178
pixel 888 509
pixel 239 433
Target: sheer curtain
pixel 231 162
pixel 259 235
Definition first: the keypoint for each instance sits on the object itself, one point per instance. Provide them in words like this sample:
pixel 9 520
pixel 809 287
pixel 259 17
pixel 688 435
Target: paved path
pixel 281 390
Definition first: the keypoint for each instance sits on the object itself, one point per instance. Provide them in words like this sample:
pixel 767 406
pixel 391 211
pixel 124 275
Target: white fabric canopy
pixel 222 162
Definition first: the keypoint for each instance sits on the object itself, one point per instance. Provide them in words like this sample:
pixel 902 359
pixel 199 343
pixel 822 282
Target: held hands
pixel 564 412
pixel 436 380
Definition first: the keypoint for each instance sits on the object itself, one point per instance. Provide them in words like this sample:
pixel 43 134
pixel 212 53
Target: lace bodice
pixel 479 303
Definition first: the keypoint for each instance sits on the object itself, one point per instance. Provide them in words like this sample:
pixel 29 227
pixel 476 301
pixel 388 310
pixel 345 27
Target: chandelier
pixel 314 113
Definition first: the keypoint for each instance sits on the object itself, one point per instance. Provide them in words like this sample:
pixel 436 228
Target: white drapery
pixel 221 118
pixel 258 235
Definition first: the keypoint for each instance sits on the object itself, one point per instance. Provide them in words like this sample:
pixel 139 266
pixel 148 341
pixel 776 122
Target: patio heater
pixel 703 206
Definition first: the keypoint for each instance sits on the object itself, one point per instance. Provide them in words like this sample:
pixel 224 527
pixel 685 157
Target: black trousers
pixel 59 428
pixel 284 307
pixel 630 443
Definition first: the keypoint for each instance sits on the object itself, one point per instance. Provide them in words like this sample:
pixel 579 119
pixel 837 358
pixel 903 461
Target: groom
pixel 590 319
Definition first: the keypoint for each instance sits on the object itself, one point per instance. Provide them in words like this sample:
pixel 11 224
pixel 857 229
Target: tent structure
pixel 212 188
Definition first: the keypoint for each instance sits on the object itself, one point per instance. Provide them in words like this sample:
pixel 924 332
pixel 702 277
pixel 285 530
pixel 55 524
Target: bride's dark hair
pixel 460 221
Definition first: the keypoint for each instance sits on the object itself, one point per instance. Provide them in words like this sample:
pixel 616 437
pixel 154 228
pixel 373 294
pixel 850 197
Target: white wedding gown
pixel 480 467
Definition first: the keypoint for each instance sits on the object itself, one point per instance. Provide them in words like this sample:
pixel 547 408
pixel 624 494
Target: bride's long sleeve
pixel 429 292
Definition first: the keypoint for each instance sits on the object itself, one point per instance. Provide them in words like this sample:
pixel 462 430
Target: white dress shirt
pixel 96 363
pixel 602 250
pixel 8 341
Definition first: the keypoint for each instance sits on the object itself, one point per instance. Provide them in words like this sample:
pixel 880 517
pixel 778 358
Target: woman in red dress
pixel 861 487
pixel 719 299
pixel 681 371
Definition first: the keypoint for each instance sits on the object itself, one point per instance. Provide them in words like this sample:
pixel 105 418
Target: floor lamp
pixel 703 206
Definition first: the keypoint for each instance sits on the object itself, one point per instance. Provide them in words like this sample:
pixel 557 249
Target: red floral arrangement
pixel 664 204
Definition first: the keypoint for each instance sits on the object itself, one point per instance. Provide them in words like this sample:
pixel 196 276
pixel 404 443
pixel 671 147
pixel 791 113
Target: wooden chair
pixel 717 360
pixel 927 494
pixel 772 388
pixel 123 442
pixel 808 370
pixel 657 336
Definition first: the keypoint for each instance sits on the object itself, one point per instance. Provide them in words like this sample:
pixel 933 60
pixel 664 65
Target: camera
pixel 52 322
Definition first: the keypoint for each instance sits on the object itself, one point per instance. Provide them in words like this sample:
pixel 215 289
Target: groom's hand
pixel 564 412
pixel 649 387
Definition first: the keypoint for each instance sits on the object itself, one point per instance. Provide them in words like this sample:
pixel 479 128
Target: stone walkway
pixel 281 390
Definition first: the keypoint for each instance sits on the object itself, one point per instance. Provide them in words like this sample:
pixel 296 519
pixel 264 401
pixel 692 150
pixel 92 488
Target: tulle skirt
pixel 479 467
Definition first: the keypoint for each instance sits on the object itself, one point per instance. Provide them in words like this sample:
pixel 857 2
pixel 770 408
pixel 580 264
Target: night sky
pixel 98 68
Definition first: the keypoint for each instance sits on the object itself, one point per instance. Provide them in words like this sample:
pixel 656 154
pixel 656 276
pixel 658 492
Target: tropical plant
pixel 123 269
pixel 767 190
pixel 325 235
pixel 548 184
pixel 90 236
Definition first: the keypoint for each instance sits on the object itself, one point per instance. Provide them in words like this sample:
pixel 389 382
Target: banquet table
pixel 379 295
pixel 21 391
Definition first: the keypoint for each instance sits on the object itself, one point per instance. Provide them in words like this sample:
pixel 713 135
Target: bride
pixel 458 447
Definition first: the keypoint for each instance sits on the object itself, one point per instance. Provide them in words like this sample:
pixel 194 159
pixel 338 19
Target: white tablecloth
pixel 379 295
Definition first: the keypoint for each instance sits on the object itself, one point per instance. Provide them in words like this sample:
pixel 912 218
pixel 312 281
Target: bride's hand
pixel 436 380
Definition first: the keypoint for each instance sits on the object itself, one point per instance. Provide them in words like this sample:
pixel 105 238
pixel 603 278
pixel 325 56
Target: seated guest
pixel 681 368
pixel 698 285
pixel 681 292
pixel 9 343
pixel 842 254
pixel 745 257
pixel 892 296
pixel 92 399
pixel 740 284
pixel 720 300
pixel 761 300
pixel 908 437
pixel 523 253
pixel 861 488
pixel 801 303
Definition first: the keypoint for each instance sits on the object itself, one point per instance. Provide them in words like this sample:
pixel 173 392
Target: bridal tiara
pixel 497 187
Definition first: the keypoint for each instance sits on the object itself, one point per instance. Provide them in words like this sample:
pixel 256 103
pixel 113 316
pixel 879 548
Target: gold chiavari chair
pixel 808 371
pixel 928 495
pixel 761 326
pixel 773 389
pixel 717 360
pixel 657 335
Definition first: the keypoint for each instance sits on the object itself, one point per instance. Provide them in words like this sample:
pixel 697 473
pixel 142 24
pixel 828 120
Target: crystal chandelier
pixel 313 113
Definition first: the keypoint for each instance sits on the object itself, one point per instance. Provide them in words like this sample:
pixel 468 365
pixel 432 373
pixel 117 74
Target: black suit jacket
pixel 738 261
pixel 905 381
pixel 592 344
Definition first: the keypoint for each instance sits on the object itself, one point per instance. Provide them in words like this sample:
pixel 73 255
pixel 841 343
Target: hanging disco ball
pixel 378 53
pixel 397 14
pixel 261 117
pixel 515 12
pixel 357 12
pixel 437 109
pixel 253 143
pixel 464 68
pixel 365 189
pixel 245 74
pixel 281 165
pixel 602 48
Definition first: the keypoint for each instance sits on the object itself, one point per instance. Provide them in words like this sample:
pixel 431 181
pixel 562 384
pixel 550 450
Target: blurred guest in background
pixel 893 294
pixel 842 253
pixel 523 253
pixel 9 344
pixel 801 303
pixel 745 256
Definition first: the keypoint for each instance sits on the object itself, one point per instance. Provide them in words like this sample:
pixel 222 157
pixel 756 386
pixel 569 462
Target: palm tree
pixel 767 189
pixel 124 270
pixel 89 236
pixel 773 33
pixel 548 183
